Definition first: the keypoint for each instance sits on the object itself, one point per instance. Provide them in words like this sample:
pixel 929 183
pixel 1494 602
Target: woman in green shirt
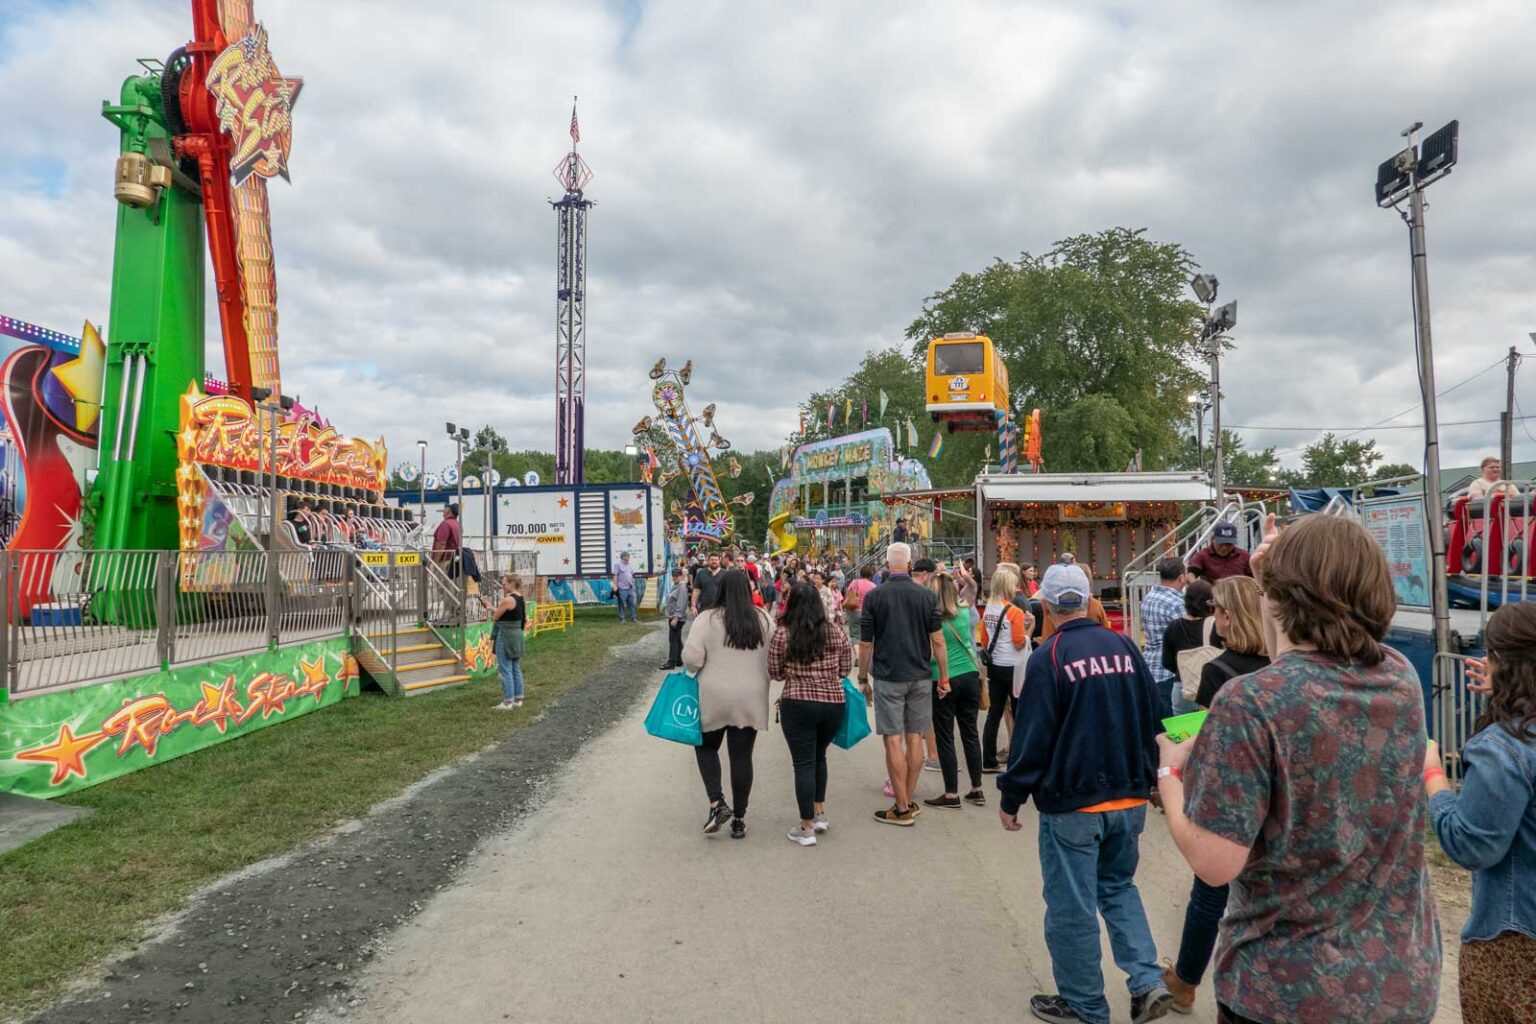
pixel 963 703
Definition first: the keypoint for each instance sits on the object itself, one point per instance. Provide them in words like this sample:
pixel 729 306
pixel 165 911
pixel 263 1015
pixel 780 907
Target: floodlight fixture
pixel 464 433
pixel 1437 154
pixel 1394 178
pixel 260 394
pixel 422 445
pixel 1205 286
pixel 452 430
pixel 1225 318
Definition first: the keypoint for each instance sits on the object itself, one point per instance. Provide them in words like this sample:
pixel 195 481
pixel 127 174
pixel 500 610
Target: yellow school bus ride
pixel 967 381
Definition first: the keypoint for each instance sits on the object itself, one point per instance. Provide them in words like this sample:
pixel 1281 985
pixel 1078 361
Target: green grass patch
pixel 80 893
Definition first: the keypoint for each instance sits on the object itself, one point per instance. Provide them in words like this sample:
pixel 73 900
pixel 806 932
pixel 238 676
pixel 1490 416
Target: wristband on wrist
pixel 1434 773
pixel 1166 770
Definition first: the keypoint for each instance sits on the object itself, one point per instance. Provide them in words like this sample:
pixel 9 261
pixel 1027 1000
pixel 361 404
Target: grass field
pixel 85 890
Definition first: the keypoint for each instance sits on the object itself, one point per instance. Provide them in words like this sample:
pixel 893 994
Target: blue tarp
pixel 1315 499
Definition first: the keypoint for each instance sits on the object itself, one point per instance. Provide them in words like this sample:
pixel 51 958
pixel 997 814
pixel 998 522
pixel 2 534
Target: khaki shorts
pixel 902 708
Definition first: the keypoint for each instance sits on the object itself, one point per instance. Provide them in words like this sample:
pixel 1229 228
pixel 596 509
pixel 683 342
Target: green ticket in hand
pixel 1183 727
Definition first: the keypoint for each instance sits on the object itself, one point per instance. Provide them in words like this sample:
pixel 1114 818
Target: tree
pixel 1105 314
pixel 1332 462
pixel 1241 468
pixel 1394 470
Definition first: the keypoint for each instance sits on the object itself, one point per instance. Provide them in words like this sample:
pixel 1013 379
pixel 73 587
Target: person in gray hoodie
pixel 676 608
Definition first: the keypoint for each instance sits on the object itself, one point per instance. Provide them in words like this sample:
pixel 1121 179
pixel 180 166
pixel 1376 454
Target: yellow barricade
pixel 550 615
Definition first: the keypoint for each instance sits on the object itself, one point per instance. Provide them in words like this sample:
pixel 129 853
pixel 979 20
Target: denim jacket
pixel 1490 828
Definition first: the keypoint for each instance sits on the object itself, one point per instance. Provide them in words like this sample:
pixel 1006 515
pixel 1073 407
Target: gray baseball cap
pixel 1065 586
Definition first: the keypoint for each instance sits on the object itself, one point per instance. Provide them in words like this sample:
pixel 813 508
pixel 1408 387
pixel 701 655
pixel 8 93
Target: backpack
pixel 1193 661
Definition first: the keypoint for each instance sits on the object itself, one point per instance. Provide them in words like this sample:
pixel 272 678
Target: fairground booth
pixel 1104 519
pixel 833 495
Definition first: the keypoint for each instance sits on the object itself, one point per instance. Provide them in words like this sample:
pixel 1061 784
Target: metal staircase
pixel 408 625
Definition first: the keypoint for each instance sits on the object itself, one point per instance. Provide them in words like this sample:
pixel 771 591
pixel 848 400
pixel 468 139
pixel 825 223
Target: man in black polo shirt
pixel 900 630
pixel 706 584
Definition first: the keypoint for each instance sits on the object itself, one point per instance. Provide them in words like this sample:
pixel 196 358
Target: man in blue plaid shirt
pixel 1160 608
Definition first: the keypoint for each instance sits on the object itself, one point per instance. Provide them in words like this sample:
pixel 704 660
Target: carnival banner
pixel 58 743
pixel 1399 526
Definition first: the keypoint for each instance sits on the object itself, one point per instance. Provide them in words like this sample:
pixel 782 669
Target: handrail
pixel 451 593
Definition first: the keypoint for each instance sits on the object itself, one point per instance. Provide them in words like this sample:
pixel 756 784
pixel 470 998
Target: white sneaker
pixel 518 703
pixel 803 836
pixel 820 823
pixel 505 705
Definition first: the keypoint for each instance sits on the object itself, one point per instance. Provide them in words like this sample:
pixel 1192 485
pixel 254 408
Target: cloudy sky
pixel 780 185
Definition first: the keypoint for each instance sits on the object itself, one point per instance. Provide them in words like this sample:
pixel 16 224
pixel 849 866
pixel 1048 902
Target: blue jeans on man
pixel 627 605
pixel 1088 860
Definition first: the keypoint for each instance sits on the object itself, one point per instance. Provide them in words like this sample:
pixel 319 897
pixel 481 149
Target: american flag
pixel 575 128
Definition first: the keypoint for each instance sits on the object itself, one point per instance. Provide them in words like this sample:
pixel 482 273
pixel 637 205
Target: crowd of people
pixel 1302 806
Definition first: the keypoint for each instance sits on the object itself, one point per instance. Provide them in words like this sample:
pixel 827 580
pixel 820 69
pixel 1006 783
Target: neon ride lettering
pixel 143 722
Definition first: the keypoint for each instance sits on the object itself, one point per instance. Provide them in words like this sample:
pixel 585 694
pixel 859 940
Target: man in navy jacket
pixel 1085 747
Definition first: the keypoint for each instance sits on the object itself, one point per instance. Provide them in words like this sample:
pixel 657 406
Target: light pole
pixel 460 435
pixel 260 396
pixel 422 496
pixel 1199 406
pixel 631 452
pixel 1213 336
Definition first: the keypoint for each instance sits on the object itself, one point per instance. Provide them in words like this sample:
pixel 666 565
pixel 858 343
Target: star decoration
pixel 564 502
pixel 66 754
pixel 314 673
pixel 348 670
pixel 82 377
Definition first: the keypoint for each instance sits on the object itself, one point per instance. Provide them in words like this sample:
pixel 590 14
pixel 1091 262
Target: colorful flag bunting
pixel 937 448
pixel 864 411
pixel 847 411
pixel 831 413
pixel 911 433
pixel 883 400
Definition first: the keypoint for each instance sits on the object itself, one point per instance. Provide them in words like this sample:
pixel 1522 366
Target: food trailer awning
pixel 1073 487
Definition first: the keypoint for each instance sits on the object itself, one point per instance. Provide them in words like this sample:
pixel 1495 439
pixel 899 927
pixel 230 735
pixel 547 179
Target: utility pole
pixel 1217 477
pixel 1507 421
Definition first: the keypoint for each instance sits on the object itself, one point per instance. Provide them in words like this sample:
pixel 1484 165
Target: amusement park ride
pixel 673 437
pixel 967 389
pixel 201 135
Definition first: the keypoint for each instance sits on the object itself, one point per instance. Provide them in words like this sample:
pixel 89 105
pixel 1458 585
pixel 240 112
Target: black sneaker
pixel 738 828
pixel 952 802
pixel 718 815
pixel 1151 1005
pixel 991 769
pixel 976 797
pixel 1052 1008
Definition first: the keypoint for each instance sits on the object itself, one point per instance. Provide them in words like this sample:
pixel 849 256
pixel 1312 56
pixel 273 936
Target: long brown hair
pixel 1328 581
pixel 943 586
pixel 1511 639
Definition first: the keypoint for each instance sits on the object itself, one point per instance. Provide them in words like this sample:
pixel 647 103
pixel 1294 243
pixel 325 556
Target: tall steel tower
pixel 571 311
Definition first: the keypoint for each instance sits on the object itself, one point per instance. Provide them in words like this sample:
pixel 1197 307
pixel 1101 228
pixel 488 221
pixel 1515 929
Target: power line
pixel 1399 426
pixel 1412 408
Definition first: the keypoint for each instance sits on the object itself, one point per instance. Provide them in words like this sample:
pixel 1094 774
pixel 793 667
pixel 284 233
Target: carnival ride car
pixel 967 382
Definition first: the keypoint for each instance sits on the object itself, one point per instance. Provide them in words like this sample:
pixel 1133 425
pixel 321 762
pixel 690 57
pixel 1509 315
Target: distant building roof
pixel 1454 479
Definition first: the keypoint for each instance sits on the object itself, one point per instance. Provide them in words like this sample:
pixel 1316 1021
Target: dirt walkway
pixel 608 905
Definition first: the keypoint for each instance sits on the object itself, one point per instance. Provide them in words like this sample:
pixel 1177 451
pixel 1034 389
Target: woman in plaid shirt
pixel 812 655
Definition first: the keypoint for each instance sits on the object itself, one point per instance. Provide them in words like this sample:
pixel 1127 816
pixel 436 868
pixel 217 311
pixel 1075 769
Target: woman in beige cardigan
pixel 728 648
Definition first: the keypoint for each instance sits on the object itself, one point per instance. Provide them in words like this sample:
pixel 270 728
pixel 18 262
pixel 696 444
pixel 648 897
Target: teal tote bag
pixel 855 717
pixel 675 714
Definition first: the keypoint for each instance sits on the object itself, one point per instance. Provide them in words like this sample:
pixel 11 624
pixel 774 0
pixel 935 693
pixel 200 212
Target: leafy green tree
pixel 1242 468
pixel 1393 470
pixel 1332 462
pixel 1104 314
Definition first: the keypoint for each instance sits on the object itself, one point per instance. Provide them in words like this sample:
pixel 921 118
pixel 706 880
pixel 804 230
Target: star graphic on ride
pixel 254 104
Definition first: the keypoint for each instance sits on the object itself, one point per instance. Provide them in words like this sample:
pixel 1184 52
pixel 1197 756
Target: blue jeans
pixel 626 602
pixel 1089 864
pixel 509 668
pixel 1180 705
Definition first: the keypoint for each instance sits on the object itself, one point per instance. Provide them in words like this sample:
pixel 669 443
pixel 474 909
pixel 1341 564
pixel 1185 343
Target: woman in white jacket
pixel 728 648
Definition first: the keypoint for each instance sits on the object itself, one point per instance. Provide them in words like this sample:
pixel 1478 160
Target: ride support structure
pixel 571 312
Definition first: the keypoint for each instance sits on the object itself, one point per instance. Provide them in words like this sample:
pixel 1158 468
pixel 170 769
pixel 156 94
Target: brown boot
pixel 1183 991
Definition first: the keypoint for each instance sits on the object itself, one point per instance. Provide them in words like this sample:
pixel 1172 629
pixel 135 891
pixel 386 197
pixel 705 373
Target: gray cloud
pixel 779 187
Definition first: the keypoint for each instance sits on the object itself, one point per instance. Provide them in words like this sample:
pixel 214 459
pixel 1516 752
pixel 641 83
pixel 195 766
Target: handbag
pixel 1194 660
pixel 674 715
pixel 1002 620
pixel 855 725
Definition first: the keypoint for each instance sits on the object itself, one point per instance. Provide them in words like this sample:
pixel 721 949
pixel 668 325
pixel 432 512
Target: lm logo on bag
pixel 685 711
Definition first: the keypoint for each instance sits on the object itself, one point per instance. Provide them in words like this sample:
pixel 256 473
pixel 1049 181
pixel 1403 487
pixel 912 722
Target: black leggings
pixel 1202 917
pixel 809 726
pixel 739 741
pixel 960 707
pixel 1000 692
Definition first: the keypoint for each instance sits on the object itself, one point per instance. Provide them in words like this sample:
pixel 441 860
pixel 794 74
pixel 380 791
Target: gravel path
pixel 280 938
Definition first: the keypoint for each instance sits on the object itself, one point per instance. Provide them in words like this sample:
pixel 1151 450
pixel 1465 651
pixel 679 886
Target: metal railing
pixel 1454 711
pixel 74 618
